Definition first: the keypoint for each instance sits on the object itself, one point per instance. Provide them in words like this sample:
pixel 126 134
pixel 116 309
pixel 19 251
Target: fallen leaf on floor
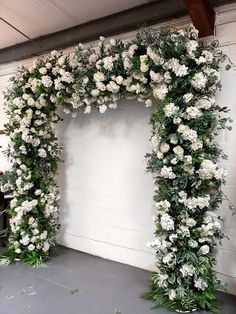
pixel 32 293
pixel 73 290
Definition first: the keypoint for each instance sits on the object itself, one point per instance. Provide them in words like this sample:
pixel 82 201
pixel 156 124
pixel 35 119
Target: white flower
pixel 112 41
pixel 99 77
pixel 119 80
pixel 200 284
pixel 43 235
pixel 31 247
pixel 167 258
pixel 156 77
pixel 193 202
pixel 102 108
pixel 31 220
pixel 113 87
pixel 18 251
pixel 184 231
pixel 163 205
pixel 46 81
pixel 173 237
pixel 172 294
pixel 143 63
pixel 42 153
pixel 154 56
pixel 159 244
pixel 204 250
pixel 167 223
pixel 160 91
pixel 187 270
pixel 178 150
pixel 148 103
pixel 35 231
pixel 187 133
pixel 193 243
pixel 205 103
pixel 174 65
pixel 87 109
pixel 190 222
pixel 95 92
pixel 174 161
pixel 191 46
pixel 25 240
pixel 61 60
pixel 199 80
pixel 170 109
pixel 43 70
pixel 193 113
pixel 196 144
pixel 164 148
pixel 46 246
pixel 30 101
pixel 48 65
pixel 187 97
pixel 166 172
pixel 207 169
pixel 108 63
pixel 208 56
pixel 177 120
pixel 162 280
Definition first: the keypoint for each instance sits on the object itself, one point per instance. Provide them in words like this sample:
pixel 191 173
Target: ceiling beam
pixel 147 14
pixel 154 12
pixel 202 15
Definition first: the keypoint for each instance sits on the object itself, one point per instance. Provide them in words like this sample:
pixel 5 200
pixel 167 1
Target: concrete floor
pixel 99 287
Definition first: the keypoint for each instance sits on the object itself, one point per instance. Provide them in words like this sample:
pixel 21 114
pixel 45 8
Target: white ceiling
pixel 40 17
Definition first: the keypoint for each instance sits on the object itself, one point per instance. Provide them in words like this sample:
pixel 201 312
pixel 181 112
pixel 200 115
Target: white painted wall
pixel 106 206
pixel 107 196
pixel 226 256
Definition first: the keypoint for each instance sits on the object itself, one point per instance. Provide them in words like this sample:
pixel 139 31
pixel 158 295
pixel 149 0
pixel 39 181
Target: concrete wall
pixel 106 206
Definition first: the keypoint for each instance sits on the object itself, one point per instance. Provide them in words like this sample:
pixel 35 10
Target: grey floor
pixel 78 283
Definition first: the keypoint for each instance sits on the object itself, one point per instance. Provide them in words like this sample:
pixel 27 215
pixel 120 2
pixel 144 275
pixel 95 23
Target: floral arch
pixel 171 68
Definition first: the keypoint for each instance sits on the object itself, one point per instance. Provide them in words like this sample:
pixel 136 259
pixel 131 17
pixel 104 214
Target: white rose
pixel 31 221
pixel 46 246
pixel 61 60
pixel 31 247
pixel 112 41
pixel 95 92
pixel 178 150
pixel 30 101
pixel 164 148
pixel 25 96
pixel 119 79
pixel 43 70
pixel 204 249
pixel 172 294
pixel 48 65
pixel 190 222
pixel 99 77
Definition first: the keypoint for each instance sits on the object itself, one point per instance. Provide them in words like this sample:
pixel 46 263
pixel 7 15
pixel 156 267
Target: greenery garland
pixel 168 67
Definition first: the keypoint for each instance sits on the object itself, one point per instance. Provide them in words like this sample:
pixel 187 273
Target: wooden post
pixel 202 15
